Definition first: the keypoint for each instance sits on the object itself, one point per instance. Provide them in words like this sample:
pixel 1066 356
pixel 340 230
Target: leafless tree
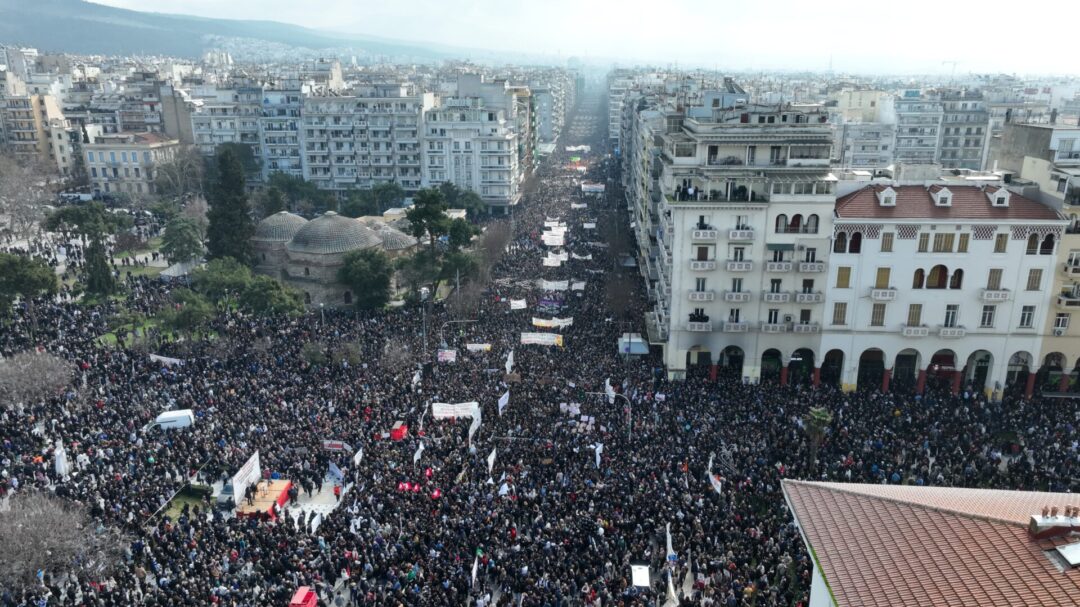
pixel 493 246
pixel 29 376
pixel 348 351
pixel 396 355
pixel 196 208
pixel 182 176
pixel 464 302
pixel 25 189
pixel 41 532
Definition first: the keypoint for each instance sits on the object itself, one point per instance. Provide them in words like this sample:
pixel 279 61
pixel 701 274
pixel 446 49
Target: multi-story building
pixel 965 129
pixel 1047 155
pixel 618 84
pixel 229 116
pixel 127 162
pixel 279 131
pixel 863 144
pixel 918 128
pixel 938 282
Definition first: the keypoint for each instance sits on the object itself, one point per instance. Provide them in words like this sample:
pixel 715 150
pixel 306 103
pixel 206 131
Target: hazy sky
pixel 896 36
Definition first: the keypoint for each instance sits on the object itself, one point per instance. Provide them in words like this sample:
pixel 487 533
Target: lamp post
pixel 629 410
pixel 442 341
pixel 322 312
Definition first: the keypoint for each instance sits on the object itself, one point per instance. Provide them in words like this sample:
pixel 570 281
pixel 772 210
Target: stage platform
pixel 267 493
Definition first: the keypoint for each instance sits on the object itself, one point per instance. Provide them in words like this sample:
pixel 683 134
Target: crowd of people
pixel 554 521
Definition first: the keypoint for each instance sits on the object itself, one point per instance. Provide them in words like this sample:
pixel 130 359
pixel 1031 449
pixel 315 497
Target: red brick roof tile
pixel 916 202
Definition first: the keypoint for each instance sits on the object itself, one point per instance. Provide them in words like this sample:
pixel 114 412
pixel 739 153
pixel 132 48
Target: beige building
pixel 1061 337
pixel 127 162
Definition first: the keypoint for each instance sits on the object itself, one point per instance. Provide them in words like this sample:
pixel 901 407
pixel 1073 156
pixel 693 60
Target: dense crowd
pixel 546 526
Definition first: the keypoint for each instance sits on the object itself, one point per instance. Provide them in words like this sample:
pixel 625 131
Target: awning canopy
pixel 779 247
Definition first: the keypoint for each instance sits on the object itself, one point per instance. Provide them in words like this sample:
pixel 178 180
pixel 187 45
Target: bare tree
pixel 464 302
pixel 182 176
pixel 41 532
pixel 29 376
pixel 493 245
pixel 196 209
pixel 348 351
pixel 25 189
pixel 618 294
pixel 396 355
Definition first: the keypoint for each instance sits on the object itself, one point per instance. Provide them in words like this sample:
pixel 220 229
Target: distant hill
pixel 74 26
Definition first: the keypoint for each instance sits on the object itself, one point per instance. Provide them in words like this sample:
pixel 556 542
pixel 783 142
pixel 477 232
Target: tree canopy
pixel 90 220
pixel 301 195
pixel 231 227
pixel 462 198
pixel 428 215
pixel 25 278
pixel 190 313
pixel 182 240
pixel 221 278
pixel 265 296
pixel 368 275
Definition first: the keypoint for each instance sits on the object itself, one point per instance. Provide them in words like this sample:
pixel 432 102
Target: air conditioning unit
pixel 1059 332
pixel 788 317
pixel 800 247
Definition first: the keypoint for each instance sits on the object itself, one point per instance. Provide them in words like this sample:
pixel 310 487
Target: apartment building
pixel 918 128
pixel 1047 155
pixel 279 130
pixel 950 127
pixel 228 115
pixel 1059 359
pixel 127 162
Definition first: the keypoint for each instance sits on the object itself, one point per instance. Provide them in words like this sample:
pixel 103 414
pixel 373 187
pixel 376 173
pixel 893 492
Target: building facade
pixel 127 162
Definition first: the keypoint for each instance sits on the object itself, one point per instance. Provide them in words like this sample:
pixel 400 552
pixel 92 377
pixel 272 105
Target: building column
pixel 1063 382
pixel 886 376
pixel 817 376
pixel 1029 387
pixel 956 380
pixel 783 376
pixel 920 385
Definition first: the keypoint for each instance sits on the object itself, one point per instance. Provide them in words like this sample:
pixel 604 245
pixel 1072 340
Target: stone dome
pixel 279 227
pixel 333 233
pixel 392 239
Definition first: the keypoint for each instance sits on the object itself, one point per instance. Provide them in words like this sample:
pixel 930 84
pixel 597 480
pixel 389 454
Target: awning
pixel 779 247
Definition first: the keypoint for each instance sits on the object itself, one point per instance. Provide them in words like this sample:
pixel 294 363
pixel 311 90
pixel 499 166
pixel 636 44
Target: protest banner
pixel 447 356
pixel 478 347
pixel 557 323
pixel 542 339
pixel 448 410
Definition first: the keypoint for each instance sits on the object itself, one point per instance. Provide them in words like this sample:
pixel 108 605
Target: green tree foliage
pixel 460 233
pixel 359 204
pixel 815 421
pixel 189 314
pixel 221 278
pixel 418 269
pixel 301 194
pixel 428 215
pixel 388 194
pixel 461 198
pixel 268 297
pixel 459 264
pixel 98 275
pixel 25 278
pixel 271 200
pixel 368 274
pixel 89 220
pixel 231 228
pixel 182 240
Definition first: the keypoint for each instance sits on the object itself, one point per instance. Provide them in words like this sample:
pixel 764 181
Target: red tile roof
pixel 902 545
pixel 916 202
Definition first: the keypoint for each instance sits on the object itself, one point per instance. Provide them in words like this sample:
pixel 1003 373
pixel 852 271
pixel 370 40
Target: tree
pixel 25 189
pixel 190 313
pixel 41 532
pixel 28 377
pixel 465 302
pixel 458 265
pixel 493 245
pixel 220 278
pixel 460 233
pixel 395 355
pixel 314 352
pixel 359 204
pixel 182 176
pixel 231 228
pixel 368 274
pixel 98 274
pixel 92 222
pixel 265 296
pixel 388 194
pixel 272 200
pixel 815 422
pixel 418 269
pixel 182 241
pixel 24 278
pixel 461 198
pixel 299 193
pixel 428 215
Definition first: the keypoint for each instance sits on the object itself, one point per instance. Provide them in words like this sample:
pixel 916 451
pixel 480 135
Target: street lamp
pixel 322 312
pixel 629 410
pixel 443 326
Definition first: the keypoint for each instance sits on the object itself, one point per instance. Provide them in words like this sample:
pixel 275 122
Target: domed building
pixel 271 236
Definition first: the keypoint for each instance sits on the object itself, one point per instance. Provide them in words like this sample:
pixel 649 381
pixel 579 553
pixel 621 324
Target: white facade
pixel 126 162
pixel 279 132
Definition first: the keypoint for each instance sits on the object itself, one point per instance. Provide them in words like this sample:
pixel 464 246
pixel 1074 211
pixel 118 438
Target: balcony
pixel 952 332
pixel 741 234
pixel 778 266
pixel 887 294
pixel 811 266
pixel 739 266
pixel 995 295
pixel 699 327
pixel 776 297
pixel 704 234
pixel 1068 300
pixel 915 331
pixel 797 229
pixel 1071 269
pixel 701 295
pixel 773 327
pixel 737 296
pixel 809 298
pixel 806 327
pixel 736 327
pixel 702 266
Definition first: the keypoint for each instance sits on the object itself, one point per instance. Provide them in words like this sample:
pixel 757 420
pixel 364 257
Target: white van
pixel 169 420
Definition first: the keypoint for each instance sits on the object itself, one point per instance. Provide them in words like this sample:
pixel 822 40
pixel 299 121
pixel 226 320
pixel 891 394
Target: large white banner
pixel 491 460
pixel 586 257
pixel 554 285
pixel 249 473
pixel 447 356
pixel 579 285
pixel 558 323
pixel 577 205
pixel 518 304
pixel 478 347
pixel 550 262
pixel 509 362
pixel 503 401
pixel 553 240
pixel 477 419
pixel 166 360
pixel 554 224
pixel 542 339
pixel 448 410
pixel 556 229
pixel 589 225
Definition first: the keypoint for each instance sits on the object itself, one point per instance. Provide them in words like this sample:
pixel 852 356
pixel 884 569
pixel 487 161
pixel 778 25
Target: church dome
pixel 333 233
pixel 279 227
pixel 392 239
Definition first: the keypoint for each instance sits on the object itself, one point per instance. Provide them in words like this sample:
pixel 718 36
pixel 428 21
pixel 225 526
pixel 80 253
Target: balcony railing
pixel 1071 269
pixel 915 331
pixel 778 266
pixel 886 294
pixel 773 327
pixel 707 234
pixel 806 327
pixel 701 295
pixel 739 266
pixel 702 266
pixel 699 326
pixel 796 229
pixel 737 296
pixel 809 298
pixel 741 234
pixel 811 266
pixel 1066 300
pixel 776 297
pixel 952 332
pixel 996 295
pixel 736 327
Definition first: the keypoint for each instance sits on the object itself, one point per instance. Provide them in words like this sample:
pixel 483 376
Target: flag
pixel 503 401
pixel 609 391
pixel 491 460
pixel 671 599
pixel 416 378
pixel 477 414
pixel 419 450
pixel 688 579
pixel 599 449
pixel 509 361
pixel 716 484
pixel 670 551
pixel 475 564
pixel 335 472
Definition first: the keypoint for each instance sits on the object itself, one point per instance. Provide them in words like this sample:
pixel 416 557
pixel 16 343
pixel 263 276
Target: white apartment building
pixel 279 131
pixel 228 116
pixel 126 162
pixel 950 127
pixel 918 128
pixel 938 283
pixel 863 144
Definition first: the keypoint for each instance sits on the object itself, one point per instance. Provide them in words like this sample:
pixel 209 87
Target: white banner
pixel 553 240
pixel 518 304
pixel 447 356
pixel 416 378
pixel 589 225
pixel 554 224
pixel 503 401
pixel 249 473
pixel 715 482
pixel 554 323
pixel 336 445
pixel 609 391
pixel 558 230
pixel 554 285
pixel 552 263
pixel 491 460
pixel 166 360
pixel 477 419
pixel 576 205
pixel 478 347
pixel 586 257
pixel 571 409
pixel 599 449
pixel 447 410
pixel 542 339
pixel 578 285
pixel 358 457
pixel 509 362
pixel 419 452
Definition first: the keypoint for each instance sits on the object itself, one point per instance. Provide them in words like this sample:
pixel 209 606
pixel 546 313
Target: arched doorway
pixel 1017 373
pixel 771 361
pixel 1074 377
pixel 801 367
pixel 1048 379
pixel 941 370
pixel 977 370
pixel 832 367
pixel 731 360
pixel 698 361
pixel 871 369
pixel 905 374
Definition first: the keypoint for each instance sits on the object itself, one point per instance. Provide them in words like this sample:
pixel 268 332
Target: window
pixel 914 315
pixel 1061 321
pixel 733 315
pixel 957 280
pixel 843 277
pixel 307 271
pixel 774 285
pixel 952 311
pixel 699 284
pixel 811 255
pixel 804 317
pixel 839 313
pixel 1000 241
pixel 737 253
pixel 1027 317
pixel 882 279
pixel 877 315
pixel 736 285
pixel 703 254
pixel 886 242
pixel 917 279
pixel 986 321
pixel 943 243
pixel 1034 279
pixel 924 242
pixel 1033 244
pixel 774 316
pixel 993 280
pixel 808 285
pixel 962 247
pixel 840 244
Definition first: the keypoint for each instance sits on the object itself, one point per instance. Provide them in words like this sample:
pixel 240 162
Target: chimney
pixel 1045 527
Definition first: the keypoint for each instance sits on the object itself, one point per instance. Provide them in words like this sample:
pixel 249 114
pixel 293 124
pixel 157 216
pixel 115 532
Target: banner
pixel 550 262
pixel 447 356
pixel 476 421
pixel 585 257
pixel 554 323
pixel 491 460
pixel 715 482
pixel 554 224
pixel 446 410
pixel 571 409
pixel 578 285
pixel 416 378
pixel 419 451
pixel 599 449
pixel 609 391
pixel 166 360
pixel 558 230
pixel 358 457
pixel 518 304
pixel 554 285
pixel 592 188
pixel 336 445
pixel 509 362
pixel 503 401
pixel 589 225
pixel 475 562
pixel 249 473
pixel 671 556
pixel 575 205
pixel 478 347
pixel 542 339
pixel 553 240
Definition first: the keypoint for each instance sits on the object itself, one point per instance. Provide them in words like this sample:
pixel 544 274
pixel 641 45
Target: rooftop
pixel 917 202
